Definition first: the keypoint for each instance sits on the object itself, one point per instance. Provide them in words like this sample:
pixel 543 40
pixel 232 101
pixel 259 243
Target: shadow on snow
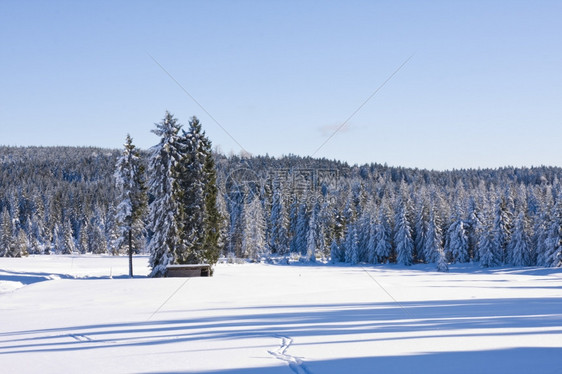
pixel 443 318
pixel 514 360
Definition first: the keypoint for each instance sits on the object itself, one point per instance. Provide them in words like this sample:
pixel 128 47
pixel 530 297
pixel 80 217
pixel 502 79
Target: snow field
pixel 256 318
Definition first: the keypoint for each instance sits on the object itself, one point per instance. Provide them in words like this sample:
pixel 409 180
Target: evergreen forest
pixel 74 200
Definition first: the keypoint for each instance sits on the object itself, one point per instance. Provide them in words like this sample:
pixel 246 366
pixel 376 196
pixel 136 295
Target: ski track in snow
pixel 295 363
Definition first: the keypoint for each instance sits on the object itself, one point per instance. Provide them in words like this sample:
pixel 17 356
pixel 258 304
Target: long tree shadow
pixel 27 278
pixel 30 277
pixel 444 318
pixel 500 361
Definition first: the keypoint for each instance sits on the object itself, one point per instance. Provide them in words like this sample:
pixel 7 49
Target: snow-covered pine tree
pixel 98 240
pixel 349 212
pixel 83 241
pixel 473 222
pixel 57 243
pixel 5 233
pixel 112 230
pixel 190 178
pixel 487 253
pixel 131 188
pixel 311 238
pixel 540 235
pixel 163 186
pixel 421 218
pixel 442 261
pixel 501 230
pixel 383 247
pixel 68 242
pixel 337 233
pixel 225 219
pixel 32 243
pixel 533 213
pixel 13 242
pixel 364 223
pixel 36 233
pixel 403 236
pixel 301 229
pixel 253 237
pixel 236 224
pixel 323 223
pixel 355 248
pixel 347 244
pixel 196 193
pixel 334 252
pixel 520 244
pixel 553 242
pixel 278 222
pixel 458 241
pixel 433 239
pixel 53 218
pixel 293 220
pixel 351 245
pixel 21 245
pixel 372 244
pixel 213 219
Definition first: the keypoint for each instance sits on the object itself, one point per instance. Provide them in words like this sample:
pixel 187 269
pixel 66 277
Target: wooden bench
pixel 189 270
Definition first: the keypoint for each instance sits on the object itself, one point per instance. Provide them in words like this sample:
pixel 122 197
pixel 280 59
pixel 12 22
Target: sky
pixel 427 84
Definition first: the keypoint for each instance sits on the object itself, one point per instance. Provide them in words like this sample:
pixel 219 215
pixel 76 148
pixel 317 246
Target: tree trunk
pixel 130 253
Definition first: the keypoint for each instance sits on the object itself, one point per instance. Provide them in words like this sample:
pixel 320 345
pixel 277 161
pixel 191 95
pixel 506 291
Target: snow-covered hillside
pixel 83 315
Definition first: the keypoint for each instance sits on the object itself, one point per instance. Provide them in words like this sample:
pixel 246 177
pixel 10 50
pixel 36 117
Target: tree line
pixel 182 203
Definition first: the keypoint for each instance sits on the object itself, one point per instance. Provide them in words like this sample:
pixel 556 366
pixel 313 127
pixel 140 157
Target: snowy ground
pixel 65 314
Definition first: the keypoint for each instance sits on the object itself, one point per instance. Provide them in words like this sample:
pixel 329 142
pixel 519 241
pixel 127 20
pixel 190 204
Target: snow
pixel 82 314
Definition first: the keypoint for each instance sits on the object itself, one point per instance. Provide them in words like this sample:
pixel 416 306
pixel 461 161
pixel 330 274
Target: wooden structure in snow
pixel 189 270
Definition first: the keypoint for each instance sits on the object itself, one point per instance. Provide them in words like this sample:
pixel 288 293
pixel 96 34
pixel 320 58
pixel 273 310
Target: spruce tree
pixel 352 245
pixel 301 228
pixel 442 261
pixel 372 244
pixel 403 237
pixel 83 241
pixel 68 243
pixel 21 245
pixel 190 195
pixel 253 237
pixel 36 233
pixel 433 248
pixel 131 187
pixel 552 255
pixel 5 233
pixel 539 238
pixel 520 245
pixel 383 246
pixel 473 223
pixel 311 238
pixel 501 230
pixel 487 253
pixel 335 255
pixel 57 243
pixel 98 240
pixel 165 208
pixel 225 220
pixel 212 223
pixel 420 231
pixel 184 218
pixel 199 216
pixel 278 223
pixel 458 241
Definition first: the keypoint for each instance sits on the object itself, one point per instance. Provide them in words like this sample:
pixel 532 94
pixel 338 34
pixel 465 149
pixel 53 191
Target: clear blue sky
pixel 483 89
